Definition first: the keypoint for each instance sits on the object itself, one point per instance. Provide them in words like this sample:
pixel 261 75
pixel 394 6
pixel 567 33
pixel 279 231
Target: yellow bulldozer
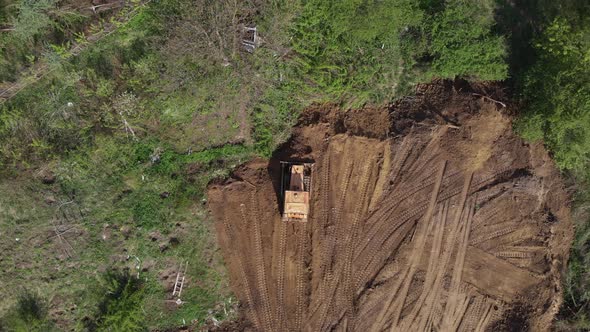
pixel 296 190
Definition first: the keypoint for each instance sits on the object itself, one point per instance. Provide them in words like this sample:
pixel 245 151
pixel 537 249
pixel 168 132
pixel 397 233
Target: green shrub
pixel 576 307
pixel 120 306
pixel 462 43
pixel 352 48
pixel 29 314
pixel 557 92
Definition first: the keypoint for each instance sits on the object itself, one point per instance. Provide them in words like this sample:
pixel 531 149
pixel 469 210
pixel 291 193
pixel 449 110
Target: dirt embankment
pixel 429 214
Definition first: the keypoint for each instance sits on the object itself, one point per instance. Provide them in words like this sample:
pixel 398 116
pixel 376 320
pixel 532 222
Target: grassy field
pixel 116 143
pixel 120 211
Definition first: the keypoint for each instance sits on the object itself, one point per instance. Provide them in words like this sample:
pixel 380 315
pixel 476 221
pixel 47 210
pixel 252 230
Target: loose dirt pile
pixel 426 215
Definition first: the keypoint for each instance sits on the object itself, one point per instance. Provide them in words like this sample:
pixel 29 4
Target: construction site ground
pixel 428 214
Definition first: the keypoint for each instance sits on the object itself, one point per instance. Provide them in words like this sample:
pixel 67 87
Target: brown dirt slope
pixel 426 215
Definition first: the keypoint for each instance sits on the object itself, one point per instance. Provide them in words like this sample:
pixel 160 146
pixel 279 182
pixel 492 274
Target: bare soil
pixel 428 214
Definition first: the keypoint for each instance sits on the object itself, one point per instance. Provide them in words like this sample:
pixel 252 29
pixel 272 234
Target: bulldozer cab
pixel 295 190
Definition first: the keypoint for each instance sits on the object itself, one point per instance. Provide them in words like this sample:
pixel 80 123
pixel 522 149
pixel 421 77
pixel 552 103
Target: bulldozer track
pixel 430 279
pixel 300 286
pixel 339 226
pixel 421 235
pixel 330 247
pixel 328 278
pixel 381 320
pixel 427 180
pixel 325 187
pixel 412 297
pixel 493 227
pixel 419 169
pixel 399 160
pixel 492 215
pixel 446 255
pixel 340 206
pixel 513 254
pixel 349 253
pixel 327 304
pixel 260 268
pixel 249 297
pixel 365 320
pixel 493 235
pixel 397 238
pixel 452 309
pixel 528 249
pixel 430 311
pixel 280 317
pixel 397 199
pixel 226 225
pixel 382 232
pixel 488 195
pixel 384 237
pixel 472 316
pixel 244 215
pixel 485 217
pixel 390 246
pixel 337 217
pixel 323 297
pixel 379 225
pixel 421 151
pixel 401 196
pixel 460 313
pixel 228 229
pixel 493 176
pixel 483 322
pixel 435 318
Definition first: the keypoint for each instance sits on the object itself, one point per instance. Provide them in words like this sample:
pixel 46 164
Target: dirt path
pixel 41 68
pixel 415 225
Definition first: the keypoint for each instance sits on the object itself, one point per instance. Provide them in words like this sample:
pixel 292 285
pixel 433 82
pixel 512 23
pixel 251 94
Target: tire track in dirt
pixel 433 266
pixel 420 242
pixel 260 267
pixel 331 282
pixel 348 297
pixel 407 232
pixel 280 316
pixel 300 275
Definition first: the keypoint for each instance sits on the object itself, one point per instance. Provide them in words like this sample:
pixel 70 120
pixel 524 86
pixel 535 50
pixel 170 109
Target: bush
pixel 351 48
pixel 557 92
pixel 575 311
pixel 462 43
pixel 29 314
pixel 120 306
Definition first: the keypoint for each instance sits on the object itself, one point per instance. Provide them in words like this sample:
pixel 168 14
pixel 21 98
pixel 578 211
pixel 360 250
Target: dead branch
pixel 63 241
pixel 490 99
pixel 106 6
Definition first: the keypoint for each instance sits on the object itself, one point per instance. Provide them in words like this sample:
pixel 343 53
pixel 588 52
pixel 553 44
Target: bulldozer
pixel 296 190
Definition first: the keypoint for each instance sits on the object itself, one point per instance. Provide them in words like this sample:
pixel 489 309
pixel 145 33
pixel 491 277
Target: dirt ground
pixel 428 214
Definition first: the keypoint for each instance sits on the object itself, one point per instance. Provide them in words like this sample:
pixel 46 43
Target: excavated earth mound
pixel 429 214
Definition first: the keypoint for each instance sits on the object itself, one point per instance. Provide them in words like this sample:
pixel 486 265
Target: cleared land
pixel 426 215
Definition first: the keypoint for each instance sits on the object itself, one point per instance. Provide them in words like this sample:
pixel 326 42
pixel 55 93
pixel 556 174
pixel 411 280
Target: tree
pixel 462 42
pixel 557 91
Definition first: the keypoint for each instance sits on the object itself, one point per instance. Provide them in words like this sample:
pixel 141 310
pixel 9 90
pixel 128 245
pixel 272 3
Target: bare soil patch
pixel 429 214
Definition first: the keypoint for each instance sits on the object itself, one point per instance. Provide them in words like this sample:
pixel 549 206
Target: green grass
pixel 28 314
pixel 549 57
pixel 115 184
pixel 139 123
